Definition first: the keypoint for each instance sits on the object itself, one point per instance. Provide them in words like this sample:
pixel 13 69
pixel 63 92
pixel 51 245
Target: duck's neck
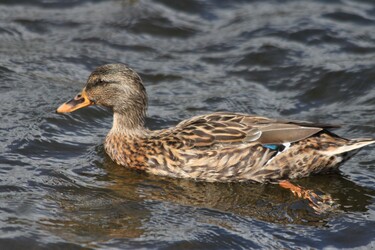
pixel 130 124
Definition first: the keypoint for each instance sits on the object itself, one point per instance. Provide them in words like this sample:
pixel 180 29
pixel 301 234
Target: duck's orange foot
pixel 319 202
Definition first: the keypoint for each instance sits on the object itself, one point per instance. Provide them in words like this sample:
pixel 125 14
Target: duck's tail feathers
pixel 353 146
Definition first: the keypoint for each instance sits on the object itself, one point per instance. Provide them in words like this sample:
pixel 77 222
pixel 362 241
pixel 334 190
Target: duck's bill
pixel 79 101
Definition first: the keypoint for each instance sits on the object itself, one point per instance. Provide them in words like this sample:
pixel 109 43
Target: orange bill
pixel 79 101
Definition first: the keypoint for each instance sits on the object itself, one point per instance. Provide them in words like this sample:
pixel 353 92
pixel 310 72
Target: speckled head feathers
pixel 114 74
pixel 120 88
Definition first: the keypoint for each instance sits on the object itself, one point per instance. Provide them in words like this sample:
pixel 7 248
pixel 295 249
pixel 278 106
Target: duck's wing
pixel 229 128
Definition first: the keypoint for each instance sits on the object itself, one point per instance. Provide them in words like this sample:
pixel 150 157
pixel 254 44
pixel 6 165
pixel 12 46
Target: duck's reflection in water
pixel 125 207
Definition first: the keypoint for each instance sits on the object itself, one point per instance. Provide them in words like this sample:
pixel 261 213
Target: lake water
pixel 307 60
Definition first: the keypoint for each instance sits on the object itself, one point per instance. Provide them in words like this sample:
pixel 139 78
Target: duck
pixel 215 147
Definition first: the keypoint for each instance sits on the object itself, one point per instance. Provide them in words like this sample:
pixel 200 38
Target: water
pixel 309 60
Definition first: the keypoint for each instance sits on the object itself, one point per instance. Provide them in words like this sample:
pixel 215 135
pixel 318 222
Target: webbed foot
pixel 321 203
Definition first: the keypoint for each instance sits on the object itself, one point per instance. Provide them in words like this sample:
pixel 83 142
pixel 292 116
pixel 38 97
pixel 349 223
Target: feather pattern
pixel 220 146
pixel 228 147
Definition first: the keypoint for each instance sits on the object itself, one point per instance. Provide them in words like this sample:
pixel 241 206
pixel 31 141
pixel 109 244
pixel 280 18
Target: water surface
pixel 307 60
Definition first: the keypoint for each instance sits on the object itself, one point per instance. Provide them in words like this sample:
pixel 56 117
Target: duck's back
pixel 235 147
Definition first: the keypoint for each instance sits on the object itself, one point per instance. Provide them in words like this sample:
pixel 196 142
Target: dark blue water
pixel 307 60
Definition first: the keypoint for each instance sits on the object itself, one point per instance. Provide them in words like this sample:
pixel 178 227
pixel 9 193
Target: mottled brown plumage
pixel 220 147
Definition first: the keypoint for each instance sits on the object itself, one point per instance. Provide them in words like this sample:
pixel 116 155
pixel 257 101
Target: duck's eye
pixel 101 82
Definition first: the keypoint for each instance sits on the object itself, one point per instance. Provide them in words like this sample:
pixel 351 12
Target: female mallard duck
pixel 222 147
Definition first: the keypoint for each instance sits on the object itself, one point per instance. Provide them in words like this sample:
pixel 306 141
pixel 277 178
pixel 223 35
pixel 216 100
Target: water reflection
pixel 130 202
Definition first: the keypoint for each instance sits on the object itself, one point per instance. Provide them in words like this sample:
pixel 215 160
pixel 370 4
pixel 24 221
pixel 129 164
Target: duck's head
pixel 115 86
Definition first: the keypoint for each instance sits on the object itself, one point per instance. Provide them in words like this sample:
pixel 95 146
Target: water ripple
pixel 310 60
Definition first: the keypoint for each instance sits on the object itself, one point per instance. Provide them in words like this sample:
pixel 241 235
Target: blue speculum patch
pixel 271 146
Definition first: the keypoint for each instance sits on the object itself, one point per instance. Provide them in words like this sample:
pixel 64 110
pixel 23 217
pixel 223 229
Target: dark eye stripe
pixel 98 82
